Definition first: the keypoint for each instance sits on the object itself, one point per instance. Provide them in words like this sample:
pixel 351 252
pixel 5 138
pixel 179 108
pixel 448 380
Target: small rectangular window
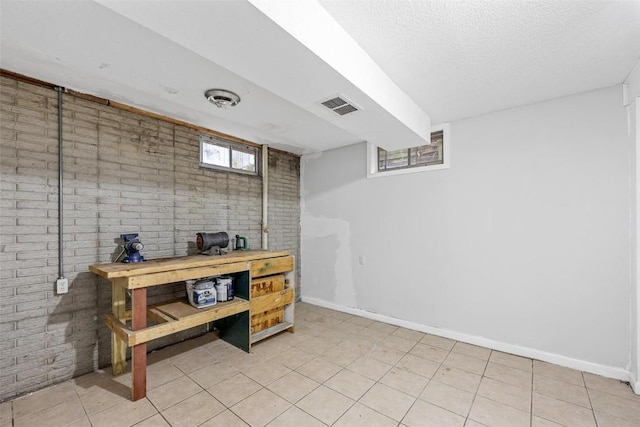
pixel 217 153
pixel 424 155
pixel 432 156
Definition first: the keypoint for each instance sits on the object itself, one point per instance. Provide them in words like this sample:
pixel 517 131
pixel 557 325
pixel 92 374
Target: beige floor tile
pixel 154 421
pixel 360 321
pixel 194 410
pixel 293 386
pixel 193 360
pixel 405 381
pixel 458 378
pixel 409 334
pixel 447 397
pixel 360 415
pixel 466 363
pixel 430 353
pixel 383 327
pixel 472 350
pixel 325 404
pixel 6 413
pixel 495 414
pixel 424 414
pixel 516 397
pixel 506 374
pixel 319 370
pixel 616 406
pixel 369 367
pixel 61 414
pixel 398 343
pixel 173 392
pixel 437 341
pixel 82 422
pixel 373 334
pixel 161 373
pixel 43 399
pixel 260 408
pixel 606 420
pixel 240 361
pixel 561 390
pixel 124 414
pixel 610 386
pixel 559 373
pixel 269 347
pixel 360 344
pixel 224 419
pixel 293 417
pixel 233 390
pixel 102 398
pixel 471 423
pixel 340 356
pixel 418 365
pixel 541 422
pixel 264 374
pixel 293 358
pixel 208 376
pixel 388 401
pixel 316 345
pixel 511 360
pixel 386 354
pixel 350 384
pixel 562 412
pixel 95 380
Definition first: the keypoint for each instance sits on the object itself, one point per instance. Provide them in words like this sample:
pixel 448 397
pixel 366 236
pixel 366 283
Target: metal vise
pixel 132 246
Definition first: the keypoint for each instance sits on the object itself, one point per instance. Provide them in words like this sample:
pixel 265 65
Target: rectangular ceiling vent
pixel 340 106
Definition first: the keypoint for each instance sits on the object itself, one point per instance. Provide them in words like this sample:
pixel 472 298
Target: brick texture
pixel 123 173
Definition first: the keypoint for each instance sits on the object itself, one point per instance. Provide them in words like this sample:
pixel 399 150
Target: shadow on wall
pixel 72 325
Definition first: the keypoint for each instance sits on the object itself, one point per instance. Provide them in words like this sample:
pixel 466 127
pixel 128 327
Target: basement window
pixel 432 156
pixel 218 153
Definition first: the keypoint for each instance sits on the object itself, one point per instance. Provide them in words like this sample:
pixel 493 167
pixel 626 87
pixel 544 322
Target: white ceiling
pixel 412 62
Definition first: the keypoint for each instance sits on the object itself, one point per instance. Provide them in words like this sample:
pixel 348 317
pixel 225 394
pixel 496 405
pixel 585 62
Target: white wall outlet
pixel 362 260
pixel 62 286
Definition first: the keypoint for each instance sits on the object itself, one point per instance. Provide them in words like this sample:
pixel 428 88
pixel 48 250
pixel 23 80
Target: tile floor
pixel 336 370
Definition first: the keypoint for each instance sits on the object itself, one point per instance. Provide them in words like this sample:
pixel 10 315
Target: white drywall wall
pixel 524 240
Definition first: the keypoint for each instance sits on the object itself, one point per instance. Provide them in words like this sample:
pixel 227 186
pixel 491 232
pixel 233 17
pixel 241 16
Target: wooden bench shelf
pixel 174 317
pixel 233 318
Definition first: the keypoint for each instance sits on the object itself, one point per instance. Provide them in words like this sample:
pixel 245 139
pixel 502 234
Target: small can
pixel 229 282
pixel 221 292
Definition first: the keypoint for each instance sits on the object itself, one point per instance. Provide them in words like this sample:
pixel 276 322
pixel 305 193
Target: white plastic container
pixel 221 292
pixel 228 281
pixel 201 293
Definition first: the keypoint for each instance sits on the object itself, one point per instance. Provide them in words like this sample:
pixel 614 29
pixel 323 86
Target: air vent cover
pixel 340 105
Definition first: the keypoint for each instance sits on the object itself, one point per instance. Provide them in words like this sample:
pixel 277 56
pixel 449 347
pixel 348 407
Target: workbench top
pixel 158 265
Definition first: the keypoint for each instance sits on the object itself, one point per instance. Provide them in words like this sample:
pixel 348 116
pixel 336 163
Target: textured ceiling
pixel 453 59
pixel 464 58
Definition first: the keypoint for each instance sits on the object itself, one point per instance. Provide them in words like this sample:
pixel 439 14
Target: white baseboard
pixel 581 365
pixel 635 384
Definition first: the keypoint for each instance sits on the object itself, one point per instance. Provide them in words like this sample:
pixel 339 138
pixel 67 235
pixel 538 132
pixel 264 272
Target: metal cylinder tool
pixel 212 242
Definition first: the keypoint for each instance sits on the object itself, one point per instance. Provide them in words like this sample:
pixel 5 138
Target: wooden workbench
pixel 129 327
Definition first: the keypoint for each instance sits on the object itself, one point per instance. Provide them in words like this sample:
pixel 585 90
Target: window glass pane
pixel 426 155
pixel 382 159
pixel 215 154
pixel 243 161
pixel 397 159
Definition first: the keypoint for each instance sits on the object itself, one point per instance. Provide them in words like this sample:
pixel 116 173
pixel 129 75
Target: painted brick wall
pixel 124 173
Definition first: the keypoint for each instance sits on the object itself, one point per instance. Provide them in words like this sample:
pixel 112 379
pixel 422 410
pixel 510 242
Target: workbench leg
pixel 139 352
pixel 118 347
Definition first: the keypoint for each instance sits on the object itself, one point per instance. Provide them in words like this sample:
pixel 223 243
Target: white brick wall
pixel 124 173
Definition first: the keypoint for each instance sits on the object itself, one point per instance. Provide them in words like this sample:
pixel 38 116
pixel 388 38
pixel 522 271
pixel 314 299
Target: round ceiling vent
pixel 222 98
